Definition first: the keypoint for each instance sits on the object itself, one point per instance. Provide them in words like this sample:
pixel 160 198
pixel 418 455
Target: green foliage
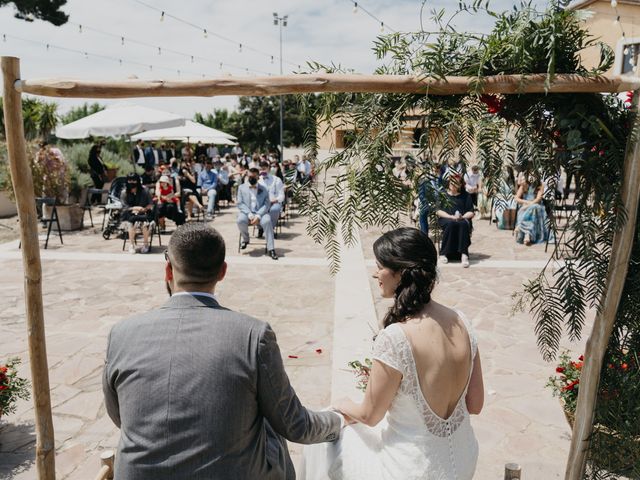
pixel 39 118
pixel 77 156
pixel 84 110
pixel 12 387
pixel 47 10
pixel 256 123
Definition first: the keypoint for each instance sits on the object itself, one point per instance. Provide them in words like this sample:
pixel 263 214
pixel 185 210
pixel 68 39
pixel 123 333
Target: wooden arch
pixel 14 86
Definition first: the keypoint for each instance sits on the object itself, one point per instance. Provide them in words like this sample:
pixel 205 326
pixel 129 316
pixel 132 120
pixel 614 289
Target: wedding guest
pixel 472 184
pixel 304 170
pixel 138 154
pixel 531 222
pixel 212 151
pixel 137 212
pixel 454 218
pixel 168 202
pixel 199 391
pixel 208 181
pixel 254 205
pixel 190 196
pixel 275 187
pixel 97 171
pixel 452 167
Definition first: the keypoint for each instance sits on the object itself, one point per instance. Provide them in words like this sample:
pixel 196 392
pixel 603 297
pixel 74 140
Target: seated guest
pixel 168 202
pixel 149 175
pixel 137 211
pixel 454 219
pixel 208 182
pixel 290 176
pixel 199 391
pixel 224 185
pixel 254 205
pixel 531 222
pixel 275 187
pixel 190 196
pixel 304 170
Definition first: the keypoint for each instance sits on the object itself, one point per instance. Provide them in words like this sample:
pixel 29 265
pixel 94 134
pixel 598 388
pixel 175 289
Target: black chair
pixel 87 204
pixel 153 227
pixel 253 234
pixel 53 217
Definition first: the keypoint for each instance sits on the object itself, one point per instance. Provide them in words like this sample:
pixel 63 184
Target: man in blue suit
pixel 254 205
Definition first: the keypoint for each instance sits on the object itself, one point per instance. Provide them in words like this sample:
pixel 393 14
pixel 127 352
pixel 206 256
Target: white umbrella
pixel 119 119
pixel 190 132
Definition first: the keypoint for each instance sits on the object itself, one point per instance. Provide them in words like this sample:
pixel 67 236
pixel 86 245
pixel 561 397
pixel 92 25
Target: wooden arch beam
pixel 317 83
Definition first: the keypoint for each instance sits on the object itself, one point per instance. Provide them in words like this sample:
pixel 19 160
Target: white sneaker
pixel 144 249
pixel 132 249
pixel 465 261
pixel 444 259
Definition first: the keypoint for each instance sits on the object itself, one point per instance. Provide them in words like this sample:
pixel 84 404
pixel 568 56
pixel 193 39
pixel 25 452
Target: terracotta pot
pixel 111 173
pixel 8 208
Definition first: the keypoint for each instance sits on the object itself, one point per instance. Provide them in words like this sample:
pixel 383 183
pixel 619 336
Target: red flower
pixel 3 369
pixel 560 369
pixel 494 104
pixel 624 366
pixel 571 385
pixel 611 367
pixel 318 350
pixel 581 358
pixel 4 387
pixel 629 96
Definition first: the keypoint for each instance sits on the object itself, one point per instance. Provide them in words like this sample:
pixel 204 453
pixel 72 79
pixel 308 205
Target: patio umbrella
pixel 190 132
pixel 119 119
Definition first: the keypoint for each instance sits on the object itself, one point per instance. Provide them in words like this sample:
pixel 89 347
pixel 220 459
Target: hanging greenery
pixel 537 134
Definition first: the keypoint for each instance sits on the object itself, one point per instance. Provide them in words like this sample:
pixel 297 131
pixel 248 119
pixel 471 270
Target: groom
pixel 199 391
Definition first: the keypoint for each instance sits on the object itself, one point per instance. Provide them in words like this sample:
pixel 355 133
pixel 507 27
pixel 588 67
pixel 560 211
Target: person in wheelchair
pixel 138 212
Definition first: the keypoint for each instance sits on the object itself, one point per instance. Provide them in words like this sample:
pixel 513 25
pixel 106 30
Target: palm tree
pixel 30 114
pixel 47 118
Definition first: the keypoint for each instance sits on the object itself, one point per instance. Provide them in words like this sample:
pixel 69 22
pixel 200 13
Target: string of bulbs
pixel 206 33
pixel 616 22
pixel 357 6
pixel 119 60
pixel 160 49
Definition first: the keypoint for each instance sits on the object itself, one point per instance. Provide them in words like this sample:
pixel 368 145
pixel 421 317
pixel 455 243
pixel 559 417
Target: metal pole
pixel 281 100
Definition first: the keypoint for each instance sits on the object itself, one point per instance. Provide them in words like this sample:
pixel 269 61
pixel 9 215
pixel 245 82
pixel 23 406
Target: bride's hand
pixel 342 406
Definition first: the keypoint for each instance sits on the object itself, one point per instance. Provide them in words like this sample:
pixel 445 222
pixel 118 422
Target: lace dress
pixel 411 442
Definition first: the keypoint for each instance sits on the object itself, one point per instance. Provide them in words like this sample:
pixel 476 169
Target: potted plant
pixel 52 178
pixel 112 170
pixel 615 440
pixel 12 387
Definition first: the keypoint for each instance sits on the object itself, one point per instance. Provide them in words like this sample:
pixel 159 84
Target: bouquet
pixel 361 370
pixel 12 387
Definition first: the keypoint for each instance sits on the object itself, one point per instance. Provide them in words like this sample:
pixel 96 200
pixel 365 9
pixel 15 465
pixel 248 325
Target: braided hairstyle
pixel 411 252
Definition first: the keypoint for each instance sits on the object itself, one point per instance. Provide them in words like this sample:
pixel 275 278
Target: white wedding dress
pixel 411 442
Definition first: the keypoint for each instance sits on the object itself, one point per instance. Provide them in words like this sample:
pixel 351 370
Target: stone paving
pixel 90 284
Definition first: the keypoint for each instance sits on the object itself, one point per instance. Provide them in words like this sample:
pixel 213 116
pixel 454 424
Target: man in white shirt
pixel 275 187
pixel 212 152
pixel 253 205
pixel 304 168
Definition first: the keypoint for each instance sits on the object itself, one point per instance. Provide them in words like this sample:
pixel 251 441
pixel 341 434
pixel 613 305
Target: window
pixel 629 58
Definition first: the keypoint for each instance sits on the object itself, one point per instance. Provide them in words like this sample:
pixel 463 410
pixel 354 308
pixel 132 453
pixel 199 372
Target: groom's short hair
pixel 197 252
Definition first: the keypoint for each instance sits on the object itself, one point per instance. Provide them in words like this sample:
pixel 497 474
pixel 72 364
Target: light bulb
pixel 220 65
pixel 121 40
pixel 271 58
pixel 192 60
pixel 47 47
pixel 617 20
pixel 162 17
pixel 206 35
pixel 240 48
pixel 86 55
pixel 120 61
pixel 626 50
pixel 4 38
pixel 159 51
pixel 178 72
pixel 381 27
pixel 355 7
pixel 151 67
pixel 614 3
pixel 79 28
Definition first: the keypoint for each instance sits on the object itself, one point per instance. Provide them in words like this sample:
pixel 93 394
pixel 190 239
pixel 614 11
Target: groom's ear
pixel 223 272
pixel 168 272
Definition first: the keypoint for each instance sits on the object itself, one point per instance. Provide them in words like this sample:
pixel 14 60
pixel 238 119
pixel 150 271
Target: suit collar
pixel 186 301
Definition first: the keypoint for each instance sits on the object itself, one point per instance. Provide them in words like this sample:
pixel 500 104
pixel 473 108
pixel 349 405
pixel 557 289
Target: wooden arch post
pixel 23 188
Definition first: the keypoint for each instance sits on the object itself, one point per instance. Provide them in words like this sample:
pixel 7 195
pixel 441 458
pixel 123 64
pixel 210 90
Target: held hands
pixel 255 220
pixel 343 405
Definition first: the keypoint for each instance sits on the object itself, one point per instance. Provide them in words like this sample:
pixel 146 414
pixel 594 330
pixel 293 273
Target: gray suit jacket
pixel 244 200
pixel 200 392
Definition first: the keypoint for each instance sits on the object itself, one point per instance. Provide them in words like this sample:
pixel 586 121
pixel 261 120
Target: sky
pixel 326 31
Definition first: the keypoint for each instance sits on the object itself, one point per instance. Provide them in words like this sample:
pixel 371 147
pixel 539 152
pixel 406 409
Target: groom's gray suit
pixel 200 392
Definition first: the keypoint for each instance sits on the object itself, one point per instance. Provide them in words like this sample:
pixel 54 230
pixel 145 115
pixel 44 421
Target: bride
pixel 425 381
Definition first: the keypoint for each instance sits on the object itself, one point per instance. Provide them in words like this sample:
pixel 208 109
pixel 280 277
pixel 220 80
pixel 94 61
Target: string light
pixel 121 40
pixel 355 7
pixel 220 65
pixel 47 47
pixel 614 3
pixel 151 67
pixel 382 27
pixel 4 38
pixel 271 58
pixel 86 55
pixel 79 28
pixel 120 61
pixel 359 7
pixel 240 48
pixel 162 17
pixel 178 72
pixel 617 21
pixel 192 60
pixel 159 51
pixel 206 35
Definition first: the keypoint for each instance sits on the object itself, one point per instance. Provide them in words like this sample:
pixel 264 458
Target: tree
pixel 84 110
pixel 47 10
pixel 47 118
pixel 257 122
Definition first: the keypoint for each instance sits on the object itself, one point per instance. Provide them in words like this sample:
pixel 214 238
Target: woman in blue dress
pixel 531 223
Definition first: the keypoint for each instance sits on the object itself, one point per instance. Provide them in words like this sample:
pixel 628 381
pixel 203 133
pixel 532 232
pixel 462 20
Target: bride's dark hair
pixel 412 253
